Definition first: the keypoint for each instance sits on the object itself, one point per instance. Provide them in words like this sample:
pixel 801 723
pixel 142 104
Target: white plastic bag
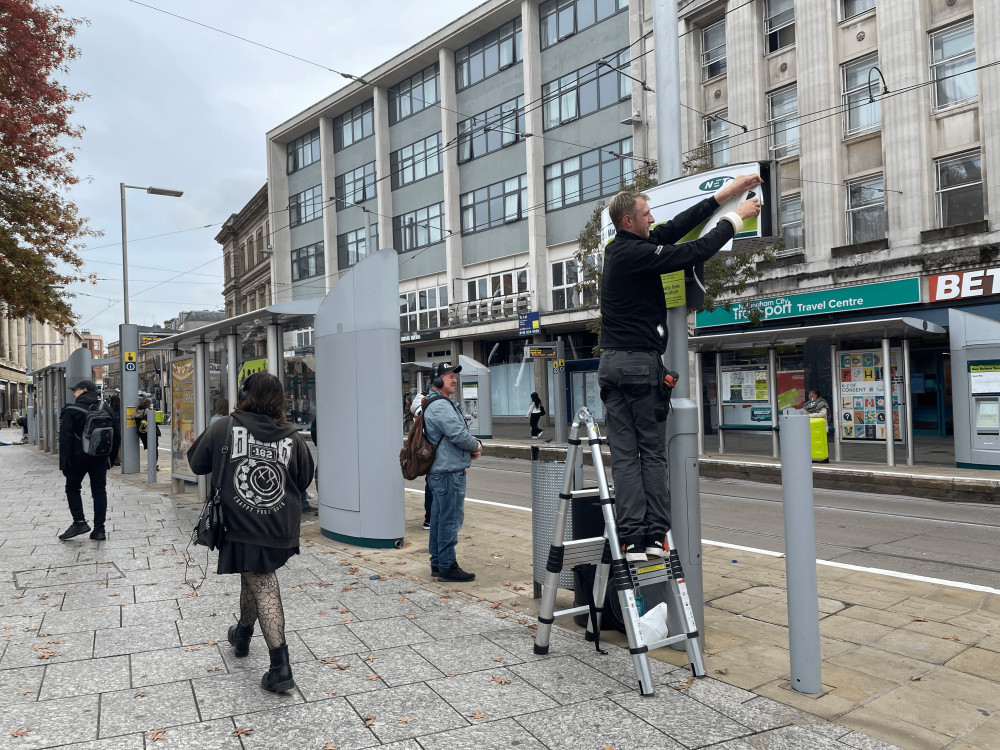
pixel 653 624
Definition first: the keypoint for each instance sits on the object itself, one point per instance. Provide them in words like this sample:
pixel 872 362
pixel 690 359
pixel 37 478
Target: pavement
pixel 104 645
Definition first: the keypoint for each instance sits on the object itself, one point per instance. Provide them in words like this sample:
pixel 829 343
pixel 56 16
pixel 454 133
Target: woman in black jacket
pixel 267 468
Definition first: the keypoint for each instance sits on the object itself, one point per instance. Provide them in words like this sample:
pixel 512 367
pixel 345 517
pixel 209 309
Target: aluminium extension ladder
pixel 626 578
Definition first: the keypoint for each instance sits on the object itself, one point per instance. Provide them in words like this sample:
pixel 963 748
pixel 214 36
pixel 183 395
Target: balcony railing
pixel 491 310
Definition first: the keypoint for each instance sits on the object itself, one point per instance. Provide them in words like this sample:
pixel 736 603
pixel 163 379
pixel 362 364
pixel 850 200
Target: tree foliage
pixel 40 228
pixel 728 275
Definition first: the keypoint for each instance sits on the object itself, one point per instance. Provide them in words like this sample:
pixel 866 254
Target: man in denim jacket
pixel 445 427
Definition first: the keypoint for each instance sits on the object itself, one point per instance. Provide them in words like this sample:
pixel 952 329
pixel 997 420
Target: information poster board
pixel 182 426
pixel 745 384
pixel 862 395
pixel 984 377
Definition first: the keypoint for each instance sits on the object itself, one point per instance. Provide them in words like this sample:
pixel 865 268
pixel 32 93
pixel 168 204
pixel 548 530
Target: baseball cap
pixel 86 385
pixel 442 368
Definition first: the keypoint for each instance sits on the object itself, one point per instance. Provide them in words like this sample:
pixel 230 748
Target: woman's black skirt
pixel 239 557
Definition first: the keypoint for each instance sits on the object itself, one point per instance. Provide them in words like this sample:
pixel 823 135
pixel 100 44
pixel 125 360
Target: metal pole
pixel 232 368
pixel 682 426
pixel 559 397
pixel 835 396
pixel 800 554
pixel 909 403
pixel 718 401
pixel 29 409
pixel 890 445
pixel 275 363
pixel 152 451
pixel 128 348
pixel 124 275
pixel 698 399
pixel 200 399
pixel 772 389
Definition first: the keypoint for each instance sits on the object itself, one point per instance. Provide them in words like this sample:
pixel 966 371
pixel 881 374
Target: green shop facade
pixel 879 353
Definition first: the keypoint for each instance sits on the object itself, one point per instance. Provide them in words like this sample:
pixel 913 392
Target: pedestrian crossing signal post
pixel 128 339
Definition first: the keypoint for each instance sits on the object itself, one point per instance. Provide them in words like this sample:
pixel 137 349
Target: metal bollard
pixel 800 554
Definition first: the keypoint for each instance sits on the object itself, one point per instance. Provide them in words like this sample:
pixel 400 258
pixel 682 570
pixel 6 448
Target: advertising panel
pixel 862 395
pixel 182 416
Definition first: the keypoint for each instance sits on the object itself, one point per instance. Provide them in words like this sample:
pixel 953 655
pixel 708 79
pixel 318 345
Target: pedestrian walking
pixel 75 464
pixel 535 412
pixel 633 338
pixel 142 431
pixel 445 427
pixel 267 468
pixel 115 405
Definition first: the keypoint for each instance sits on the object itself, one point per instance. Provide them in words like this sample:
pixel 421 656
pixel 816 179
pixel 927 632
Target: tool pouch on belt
pixel 667 381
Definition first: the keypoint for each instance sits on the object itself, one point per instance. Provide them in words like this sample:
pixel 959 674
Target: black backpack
pixel 98 430
pixel 417 456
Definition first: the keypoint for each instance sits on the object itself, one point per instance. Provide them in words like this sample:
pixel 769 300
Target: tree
pixel 40 229
pixel 729 275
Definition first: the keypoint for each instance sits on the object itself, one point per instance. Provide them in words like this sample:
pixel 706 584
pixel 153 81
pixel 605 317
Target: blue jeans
pixel 447 517
pixel 637 425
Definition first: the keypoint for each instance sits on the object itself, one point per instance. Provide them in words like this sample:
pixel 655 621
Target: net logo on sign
pixel 129 361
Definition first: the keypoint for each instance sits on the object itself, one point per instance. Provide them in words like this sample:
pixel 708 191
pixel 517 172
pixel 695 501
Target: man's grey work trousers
pixel 636 416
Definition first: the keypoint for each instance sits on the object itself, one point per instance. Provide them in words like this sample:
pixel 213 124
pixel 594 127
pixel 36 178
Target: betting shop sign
pixel 981 282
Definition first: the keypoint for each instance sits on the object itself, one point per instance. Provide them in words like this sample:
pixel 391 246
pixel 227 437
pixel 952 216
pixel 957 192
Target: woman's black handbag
pixel 210 529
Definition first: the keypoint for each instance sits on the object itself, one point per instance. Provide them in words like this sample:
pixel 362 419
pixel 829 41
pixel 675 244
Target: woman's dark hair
pixel 221 406
pixel 535 398
pixel 263 395
pixel 146 403
pixel 115 402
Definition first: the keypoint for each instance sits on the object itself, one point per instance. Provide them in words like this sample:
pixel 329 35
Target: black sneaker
pixel 78 527
pixel 633 553
pixel 456 574
pixel 656 548
pixel 307 508
pixel 98 534
pixel 427 525
pixel 435 573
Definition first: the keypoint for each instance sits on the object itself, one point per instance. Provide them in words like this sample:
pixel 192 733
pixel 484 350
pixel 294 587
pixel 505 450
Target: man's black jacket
pixel 632 301
pixel 71 433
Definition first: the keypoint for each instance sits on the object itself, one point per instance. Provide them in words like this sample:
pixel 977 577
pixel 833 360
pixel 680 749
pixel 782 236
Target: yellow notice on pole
pixel 130 356
pixel 673 288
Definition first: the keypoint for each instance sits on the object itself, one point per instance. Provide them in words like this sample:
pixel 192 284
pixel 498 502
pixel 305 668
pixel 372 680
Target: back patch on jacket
pixel 261 471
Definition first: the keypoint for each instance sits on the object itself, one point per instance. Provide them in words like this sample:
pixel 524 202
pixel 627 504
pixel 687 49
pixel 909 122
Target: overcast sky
pixel 176 105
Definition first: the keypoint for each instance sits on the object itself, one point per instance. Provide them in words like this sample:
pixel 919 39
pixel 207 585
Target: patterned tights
pixel 260 599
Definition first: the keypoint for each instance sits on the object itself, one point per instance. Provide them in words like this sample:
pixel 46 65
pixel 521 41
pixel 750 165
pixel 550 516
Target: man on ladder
pixel 634 382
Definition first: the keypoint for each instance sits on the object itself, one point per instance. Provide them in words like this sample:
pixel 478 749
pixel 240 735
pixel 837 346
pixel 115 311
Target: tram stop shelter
pixel 761 373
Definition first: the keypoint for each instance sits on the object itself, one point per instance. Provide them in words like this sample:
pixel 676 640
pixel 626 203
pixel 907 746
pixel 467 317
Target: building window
pixel 356 186
pixel 490 131
pixel 783 122
pixel 851 8
pixel 565 277
pixel 414 94
pixel 717 138
pixel 488 55
pixel 426 310
pixel 791 223
pixel 305 206
pixel 865 210
pixel 586 90
pixel 959 189
pixel 590 175
pixel 351 246
pixel 860 114
pixel 953 57
pixel 496 285
pixel 304 338
pixel 354 126
pixel 495 205
pixel 419 228
pixel 713 45
pixel 303 151
pixel 779 24
pixel 416 161
pixel 560 19
pixel 307 262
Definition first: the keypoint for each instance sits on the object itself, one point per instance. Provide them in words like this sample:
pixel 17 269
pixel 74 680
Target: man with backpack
pixel 85 438
pixel 446 428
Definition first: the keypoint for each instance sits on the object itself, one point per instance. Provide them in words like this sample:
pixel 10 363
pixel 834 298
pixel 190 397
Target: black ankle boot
pixel 278 678
pixel 239 637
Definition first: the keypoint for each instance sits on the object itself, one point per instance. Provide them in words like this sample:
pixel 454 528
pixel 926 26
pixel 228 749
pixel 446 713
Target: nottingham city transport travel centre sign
pixel 844 299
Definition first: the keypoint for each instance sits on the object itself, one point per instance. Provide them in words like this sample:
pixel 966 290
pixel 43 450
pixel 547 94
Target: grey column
pixel 890 445
pixel 232 368
pixel 835 398
pixel 451 183
pixel 382 147
pixel 699 395
pixel 274 352
pixel 328 179
pixel 534 152
pixel 800 554
pixel 201 402
pixel 908 395
pixel 128 337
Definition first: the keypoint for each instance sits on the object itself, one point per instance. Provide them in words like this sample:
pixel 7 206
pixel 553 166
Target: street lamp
pixel 152 191
pixel 128 346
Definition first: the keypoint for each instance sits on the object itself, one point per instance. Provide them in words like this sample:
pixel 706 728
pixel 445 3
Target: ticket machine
pixel 476 398
pixel 975 375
